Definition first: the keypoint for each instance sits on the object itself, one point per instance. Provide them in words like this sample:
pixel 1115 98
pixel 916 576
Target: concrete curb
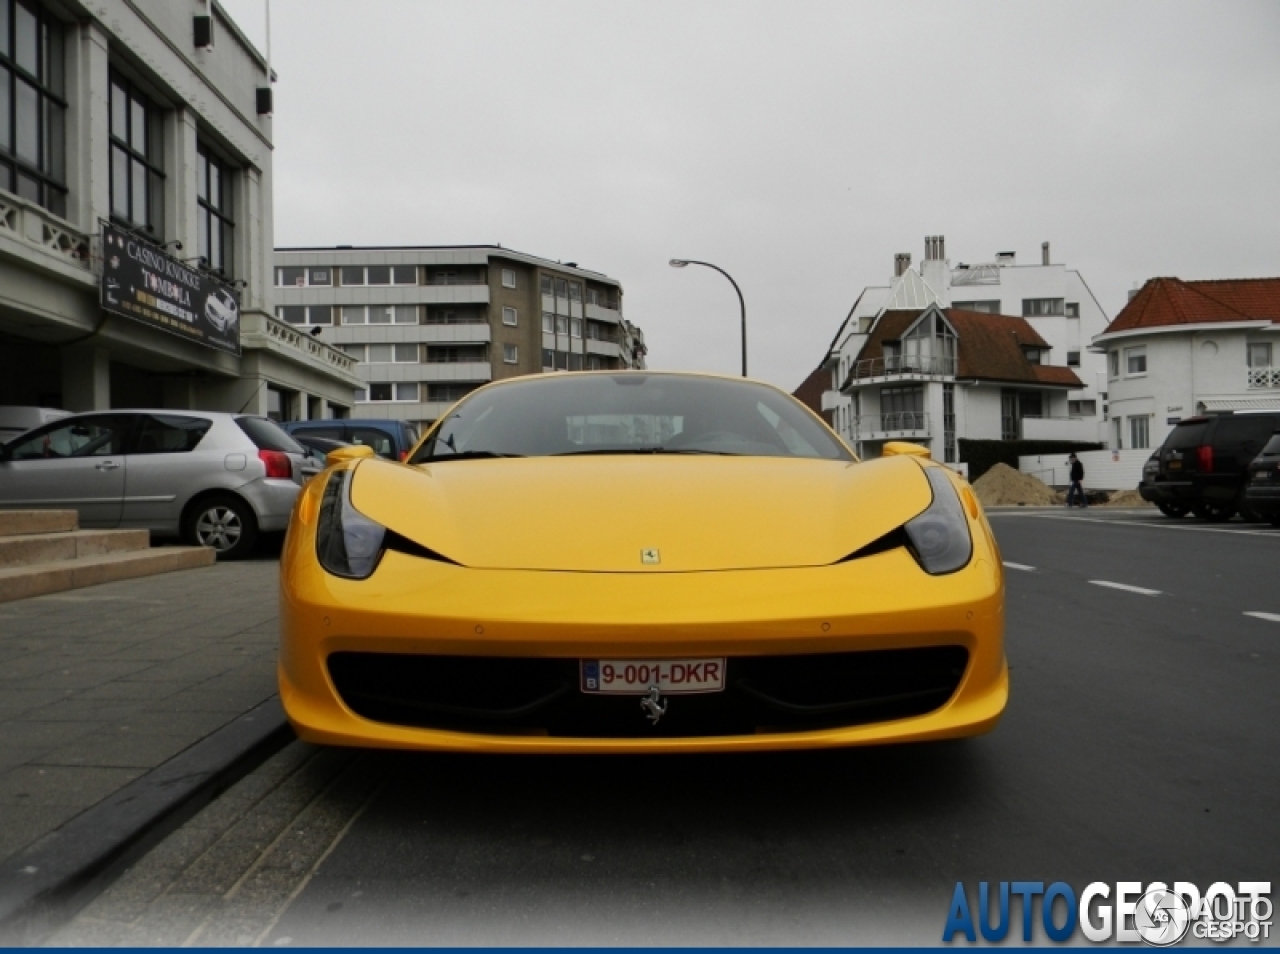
pixel 45 884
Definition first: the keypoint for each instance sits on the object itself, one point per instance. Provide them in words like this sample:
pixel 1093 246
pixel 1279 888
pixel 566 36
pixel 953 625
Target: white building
pixel 933 376
pixel 111 113
pixel 426 325
pixel 1183 348
pixel 1055 302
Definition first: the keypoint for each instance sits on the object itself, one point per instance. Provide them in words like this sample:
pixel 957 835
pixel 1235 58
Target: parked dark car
pixel 317 448
pixel 390 439
pixel 1203 465
pixel 1262 492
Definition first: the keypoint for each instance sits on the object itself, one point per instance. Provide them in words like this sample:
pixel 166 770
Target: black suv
pixel 1203 465
pixel 1262 493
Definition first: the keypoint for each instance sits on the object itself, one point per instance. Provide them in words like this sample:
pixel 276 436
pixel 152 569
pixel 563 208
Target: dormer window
pixel 1034 355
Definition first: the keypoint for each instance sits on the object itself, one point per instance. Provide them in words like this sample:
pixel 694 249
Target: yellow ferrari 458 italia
pixel 638 562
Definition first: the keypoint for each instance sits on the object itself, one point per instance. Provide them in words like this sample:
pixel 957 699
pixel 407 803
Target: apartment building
pixel 1184 348
pixel 427 325
pixel 135 216
pixel 1054 302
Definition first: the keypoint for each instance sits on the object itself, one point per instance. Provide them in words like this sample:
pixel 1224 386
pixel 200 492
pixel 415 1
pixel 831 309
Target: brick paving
pixel 101 684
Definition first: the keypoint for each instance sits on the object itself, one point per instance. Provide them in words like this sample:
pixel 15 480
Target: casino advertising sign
pixel 141 282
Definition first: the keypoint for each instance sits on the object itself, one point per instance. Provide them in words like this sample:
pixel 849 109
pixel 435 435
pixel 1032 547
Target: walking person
pixel 1076 490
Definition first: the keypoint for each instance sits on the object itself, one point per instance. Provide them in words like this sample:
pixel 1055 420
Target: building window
pixel 1138 432
pixel 355 351
pixel 305 314
pixel 1113 364
pixel 352 274
pixel 1135 361
pixel 548 359
pixel 1042 307
pixel 381 314
pixel 1259 354
pixel 448 393
pixel 401 392
pixel 137 174
pixel 455 354
pixel 990 306
pixel 1082 408
pixel 405 314
pixel 1073 359
pixel 562 325
pixel 949 423
pixel 575 327
pixel 214 223
pixel 597 363
pixel 1073 309
pixel 508 278
pixel 562 361
pixel 439 316
pixel 1117 433
pixel 302 277
pixel 407 391
pixel 509 317
pixel 32 129
pixel 392 353
pixel 575 361
pixel 575 292
pixel 548 323
pixel 510 353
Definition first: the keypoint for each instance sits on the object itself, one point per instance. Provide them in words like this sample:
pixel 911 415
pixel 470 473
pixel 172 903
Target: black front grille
pixel 513 696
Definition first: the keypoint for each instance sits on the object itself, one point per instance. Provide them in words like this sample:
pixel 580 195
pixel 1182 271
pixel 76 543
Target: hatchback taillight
pixel 1204 456
pixel 278 464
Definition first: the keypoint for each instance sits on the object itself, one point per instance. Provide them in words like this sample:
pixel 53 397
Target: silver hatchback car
pixel 213 479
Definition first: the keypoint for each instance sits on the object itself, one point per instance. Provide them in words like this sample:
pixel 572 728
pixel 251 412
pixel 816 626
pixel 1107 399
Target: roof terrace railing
pixel 935 365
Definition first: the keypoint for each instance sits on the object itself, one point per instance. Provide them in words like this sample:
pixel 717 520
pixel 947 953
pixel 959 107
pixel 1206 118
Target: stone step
pixel 30 549
pixel 18 583
pixel 15 522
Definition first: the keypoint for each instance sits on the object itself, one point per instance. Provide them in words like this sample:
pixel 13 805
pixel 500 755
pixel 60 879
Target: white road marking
pixel 1018 566
pixel 1126 587
pixel 1169 525
pixel 1270 617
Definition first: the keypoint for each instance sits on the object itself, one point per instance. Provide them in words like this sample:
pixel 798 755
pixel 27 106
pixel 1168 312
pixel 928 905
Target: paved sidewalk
pixel 100 685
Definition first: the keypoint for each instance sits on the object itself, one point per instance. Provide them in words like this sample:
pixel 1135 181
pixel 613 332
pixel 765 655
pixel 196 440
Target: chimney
pixel 1044 253
pixel 935 248
pixel 901 262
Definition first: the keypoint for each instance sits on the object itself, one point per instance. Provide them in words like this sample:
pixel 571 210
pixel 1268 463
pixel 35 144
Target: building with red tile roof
pixel 1045 309
pixel 1181 348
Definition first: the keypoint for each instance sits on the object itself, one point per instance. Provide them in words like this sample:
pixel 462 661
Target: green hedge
pixel 981 456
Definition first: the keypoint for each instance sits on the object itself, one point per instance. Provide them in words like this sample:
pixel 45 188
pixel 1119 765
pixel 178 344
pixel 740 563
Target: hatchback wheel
pixel 226 524
pixel 1173 509
pixel 1214 512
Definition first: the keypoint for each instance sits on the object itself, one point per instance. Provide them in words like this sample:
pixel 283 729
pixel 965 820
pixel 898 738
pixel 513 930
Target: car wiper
pixel 464 455
pixel 646 450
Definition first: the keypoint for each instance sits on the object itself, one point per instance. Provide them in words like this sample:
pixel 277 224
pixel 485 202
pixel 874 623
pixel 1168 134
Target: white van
pixel 16 420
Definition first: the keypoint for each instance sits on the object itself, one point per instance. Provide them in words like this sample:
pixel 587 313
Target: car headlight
pixel 939 538
pixel 348 543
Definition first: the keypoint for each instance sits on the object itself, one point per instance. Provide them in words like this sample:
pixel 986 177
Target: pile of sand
pixel 1002 486
pixel 1126 498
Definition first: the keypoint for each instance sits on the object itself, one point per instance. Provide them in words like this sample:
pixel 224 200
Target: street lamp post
pixel 682 262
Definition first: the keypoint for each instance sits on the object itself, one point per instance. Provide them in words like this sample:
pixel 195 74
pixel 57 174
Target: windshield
pixel 630 414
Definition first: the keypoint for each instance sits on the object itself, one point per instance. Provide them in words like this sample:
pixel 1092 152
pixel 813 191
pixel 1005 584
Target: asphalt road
pixel 1142 742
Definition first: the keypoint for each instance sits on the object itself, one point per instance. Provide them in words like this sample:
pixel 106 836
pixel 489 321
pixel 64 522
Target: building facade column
pixel 86 378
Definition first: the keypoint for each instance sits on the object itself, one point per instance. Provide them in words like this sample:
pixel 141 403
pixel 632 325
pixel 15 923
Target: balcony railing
pixel 29 223
pixel 1264 377
pixel 894 423
pixel 922 365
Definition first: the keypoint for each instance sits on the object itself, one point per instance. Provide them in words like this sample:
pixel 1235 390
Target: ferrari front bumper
pixel 418 606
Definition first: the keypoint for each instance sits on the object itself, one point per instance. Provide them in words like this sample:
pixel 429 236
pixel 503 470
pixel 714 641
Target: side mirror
pixel 350 452
pixel 904 449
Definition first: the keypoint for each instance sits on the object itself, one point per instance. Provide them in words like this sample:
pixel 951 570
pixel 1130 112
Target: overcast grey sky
pixel 796 144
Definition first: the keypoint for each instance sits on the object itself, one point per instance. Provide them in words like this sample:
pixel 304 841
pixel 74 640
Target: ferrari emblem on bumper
pixel 653 706
pixel 650 555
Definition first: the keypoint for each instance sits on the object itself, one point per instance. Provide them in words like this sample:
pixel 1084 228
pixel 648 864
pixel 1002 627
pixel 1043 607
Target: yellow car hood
pixel 599 513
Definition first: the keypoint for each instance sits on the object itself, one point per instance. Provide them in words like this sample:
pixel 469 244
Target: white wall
pixel 1103 470
pixel 980 409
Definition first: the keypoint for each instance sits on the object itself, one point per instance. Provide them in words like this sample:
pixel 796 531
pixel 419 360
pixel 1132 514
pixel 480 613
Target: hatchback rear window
pixel 266 435
pixel 1187 435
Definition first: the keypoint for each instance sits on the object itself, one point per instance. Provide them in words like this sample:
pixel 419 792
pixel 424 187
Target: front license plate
pixel 635 677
